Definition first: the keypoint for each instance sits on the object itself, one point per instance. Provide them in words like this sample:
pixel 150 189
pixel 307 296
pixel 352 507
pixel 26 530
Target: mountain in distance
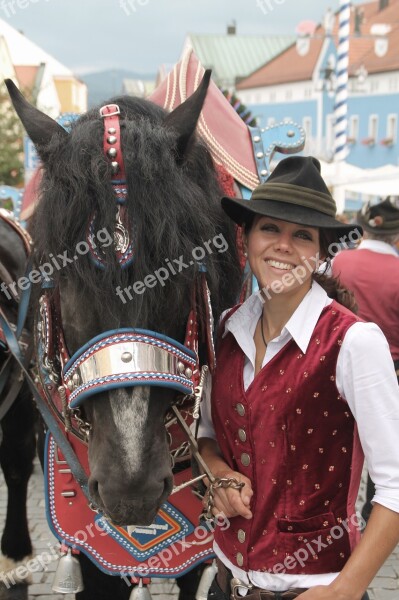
pixel 102 85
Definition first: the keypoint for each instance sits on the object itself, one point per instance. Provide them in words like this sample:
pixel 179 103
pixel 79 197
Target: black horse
pixel 173 210
pixel 17 425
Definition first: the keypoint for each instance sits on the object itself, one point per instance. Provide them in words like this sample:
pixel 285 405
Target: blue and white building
pixel 299 85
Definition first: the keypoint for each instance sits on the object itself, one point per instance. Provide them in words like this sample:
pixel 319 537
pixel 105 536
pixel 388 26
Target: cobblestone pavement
pixel 384 587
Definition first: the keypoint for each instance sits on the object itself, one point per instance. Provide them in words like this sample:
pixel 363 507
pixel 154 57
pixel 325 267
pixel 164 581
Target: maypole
pixel 341 96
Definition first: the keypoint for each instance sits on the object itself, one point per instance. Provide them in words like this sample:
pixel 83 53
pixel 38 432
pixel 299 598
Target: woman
pixel 301 387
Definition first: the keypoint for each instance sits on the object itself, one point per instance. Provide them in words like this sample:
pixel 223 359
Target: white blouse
pixel 365 378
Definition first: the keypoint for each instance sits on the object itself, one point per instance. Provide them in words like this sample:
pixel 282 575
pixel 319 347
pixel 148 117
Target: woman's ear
pixel 244 243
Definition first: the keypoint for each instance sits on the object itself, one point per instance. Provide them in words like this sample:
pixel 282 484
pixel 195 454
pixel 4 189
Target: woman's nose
pixel 283 242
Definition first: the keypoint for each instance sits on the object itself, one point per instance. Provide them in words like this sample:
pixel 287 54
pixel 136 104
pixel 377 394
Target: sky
pixel 139 35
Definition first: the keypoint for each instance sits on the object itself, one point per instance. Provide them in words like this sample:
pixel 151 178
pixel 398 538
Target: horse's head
pixel 172 226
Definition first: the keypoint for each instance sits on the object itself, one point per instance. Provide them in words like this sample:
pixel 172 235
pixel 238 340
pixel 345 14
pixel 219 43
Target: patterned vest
pixel 295 438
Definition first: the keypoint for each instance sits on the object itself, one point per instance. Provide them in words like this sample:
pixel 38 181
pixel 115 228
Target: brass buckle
pixel 116 111
pixel 236 583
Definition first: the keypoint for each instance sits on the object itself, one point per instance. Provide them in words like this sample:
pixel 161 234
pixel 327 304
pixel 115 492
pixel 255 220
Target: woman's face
pixel 283 255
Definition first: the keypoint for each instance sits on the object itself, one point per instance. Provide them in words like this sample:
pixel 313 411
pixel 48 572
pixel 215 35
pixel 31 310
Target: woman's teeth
pixel 280 265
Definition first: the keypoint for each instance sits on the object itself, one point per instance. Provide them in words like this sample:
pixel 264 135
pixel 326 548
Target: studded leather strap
pixel 112 139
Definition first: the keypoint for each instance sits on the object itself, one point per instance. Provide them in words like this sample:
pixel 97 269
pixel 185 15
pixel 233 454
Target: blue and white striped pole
pixel 341 95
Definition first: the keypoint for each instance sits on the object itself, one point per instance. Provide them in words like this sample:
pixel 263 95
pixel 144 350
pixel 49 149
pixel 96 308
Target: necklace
pixel 261 329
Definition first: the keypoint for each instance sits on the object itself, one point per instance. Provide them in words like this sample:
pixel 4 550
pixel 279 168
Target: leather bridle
pixel 124 357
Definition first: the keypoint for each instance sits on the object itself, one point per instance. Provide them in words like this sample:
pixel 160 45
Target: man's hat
pixel 382 218
pixel 294 192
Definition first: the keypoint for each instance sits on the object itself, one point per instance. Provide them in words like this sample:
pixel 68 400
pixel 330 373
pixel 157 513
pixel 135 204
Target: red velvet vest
pixel 295 438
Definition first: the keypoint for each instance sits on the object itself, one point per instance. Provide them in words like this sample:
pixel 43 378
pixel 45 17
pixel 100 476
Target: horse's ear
pixel 39 126
pixel 183 119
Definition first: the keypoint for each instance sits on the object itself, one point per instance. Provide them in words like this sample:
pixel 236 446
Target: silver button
pixel 245 459
pixel 240 559
pixel 242 435
pixel 241 536
pixel 240 408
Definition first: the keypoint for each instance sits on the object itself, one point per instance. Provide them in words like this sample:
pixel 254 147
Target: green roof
pixel 231 56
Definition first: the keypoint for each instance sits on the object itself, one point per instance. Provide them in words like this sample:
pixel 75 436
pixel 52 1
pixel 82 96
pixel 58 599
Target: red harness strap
pixel 112 139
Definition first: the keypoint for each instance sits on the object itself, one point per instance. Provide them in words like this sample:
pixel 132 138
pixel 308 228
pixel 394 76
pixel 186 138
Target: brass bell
pixel 140 592
pixel 68 576
pixel 207 577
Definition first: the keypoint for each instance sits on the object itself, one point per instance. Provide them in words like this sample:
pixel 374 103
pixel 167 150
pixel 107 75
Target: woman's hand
pixel 326 592
pixel 229 501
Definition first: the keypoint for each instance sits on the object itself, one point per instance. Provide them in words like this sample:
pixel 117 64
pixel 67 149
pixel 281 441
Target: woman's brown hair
pixel 329 283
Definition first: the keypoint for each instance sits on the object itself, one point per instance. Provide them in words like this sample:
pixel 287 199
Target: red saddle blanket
pixel 226 134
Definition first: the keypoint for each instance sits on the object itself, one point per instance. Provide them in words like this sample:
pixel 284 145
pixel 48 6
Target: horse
pixel 131 244
pixel 17 411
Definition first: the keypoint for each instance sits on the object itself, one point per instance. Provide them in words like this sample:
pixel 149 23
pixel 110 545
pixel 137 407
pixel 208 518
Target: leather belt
pixel 230 587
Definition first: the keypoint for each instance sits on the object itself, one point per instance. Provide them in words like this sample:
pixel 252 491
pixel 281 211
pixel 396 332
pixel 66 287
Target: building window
pixel 288 95
pixel 330 135
pixel 374 85
pixel 392 126
pixel 307 125
pixel 373 127
pixel 272 96
pixel 308 92
pixel 353 129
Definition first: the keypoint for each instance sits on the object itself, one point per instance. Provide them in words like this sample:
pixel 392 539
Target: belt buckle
pixel 236 583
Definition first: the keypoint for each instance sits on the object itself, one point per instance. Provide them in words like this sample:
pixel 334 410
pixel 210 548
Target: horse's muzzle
pixel 132 508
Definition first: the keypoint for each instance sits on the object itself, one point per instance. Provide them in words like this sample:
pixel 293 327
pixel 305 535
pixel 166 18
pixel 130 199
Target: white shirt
pixel 377 246
pixel 365 378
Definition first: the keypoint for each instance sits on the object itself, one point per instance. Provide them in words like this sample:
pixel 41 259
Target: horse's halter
pixel 123 357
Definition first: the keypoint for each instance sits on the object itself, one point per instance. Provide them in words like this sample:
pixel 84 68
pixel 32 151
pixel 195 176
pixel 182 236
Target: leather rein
pixel 19 329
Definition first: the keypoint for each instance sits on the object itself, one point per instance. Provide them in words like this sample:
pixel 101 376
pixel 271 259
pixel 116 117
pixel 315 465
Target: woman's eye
pixel 304 235
pixel 268 227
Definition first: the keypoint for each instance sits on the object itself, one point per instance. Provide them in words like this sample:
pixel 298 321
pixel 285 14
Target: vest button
pixel 240 408
pixel 240 559
pixel 245 459
pixel 242 435
pixel 241 536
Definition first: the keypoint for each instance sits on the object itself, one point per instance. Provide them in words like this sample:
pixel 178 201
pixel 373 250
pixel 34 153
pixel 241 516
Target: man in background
pixel 371 272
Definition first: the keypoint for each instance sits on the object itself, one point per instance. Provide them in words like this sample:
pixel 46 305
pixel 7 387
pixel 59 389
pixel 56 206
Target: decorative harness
pixel 124 357
pixel 22 334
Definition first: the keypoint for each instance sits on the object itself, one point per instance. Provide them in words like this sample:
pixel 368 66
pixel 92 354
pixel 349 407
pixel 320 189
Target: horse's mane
pixel 172 207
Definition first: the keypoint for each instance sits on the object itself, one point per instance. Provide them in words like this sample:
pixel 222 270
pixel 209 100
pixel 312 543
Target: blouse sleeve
pixel 366 379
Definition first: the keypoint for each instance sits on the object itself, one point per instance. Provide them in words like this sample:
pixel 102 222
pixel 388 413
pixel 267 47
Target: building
pixel 231 56
pixel 46 81
pixel 299 84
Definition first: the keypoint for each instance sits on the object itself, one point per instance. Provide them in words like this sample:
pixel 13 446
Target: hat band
pixel 385 227
pixel 296 194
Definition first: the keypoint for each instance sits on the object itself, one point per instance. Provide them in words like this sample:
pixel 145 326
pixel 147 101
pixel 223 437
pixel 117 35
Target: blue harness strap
pixel 6 370
pixel 66 449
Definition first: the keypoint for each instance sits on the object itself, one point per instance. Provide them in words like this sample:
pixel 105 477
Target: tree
pixel 11 143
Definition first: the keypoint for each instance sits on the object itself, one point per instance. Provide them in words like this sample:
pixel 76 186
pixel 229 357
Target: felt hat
pixel 382 218
pixel 294 192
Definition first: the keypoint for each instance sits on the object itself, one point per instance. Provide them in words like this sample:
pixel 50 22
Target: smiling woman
pixel 297 396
